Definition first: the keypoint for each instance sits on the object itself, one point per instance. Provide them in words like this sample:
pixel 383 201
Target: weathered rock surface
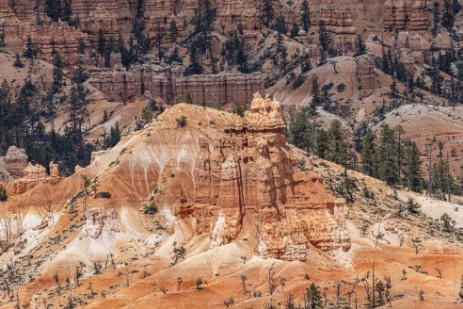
pixel 168 83
pixel 365 75
pixel 33 175
pixel 16 160
pixel 405 14
pixel 249 173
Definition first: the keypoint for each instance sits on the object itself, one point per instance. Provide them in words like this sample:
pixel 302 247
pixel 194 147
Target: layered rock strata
pixel 168 83
pixel 250 174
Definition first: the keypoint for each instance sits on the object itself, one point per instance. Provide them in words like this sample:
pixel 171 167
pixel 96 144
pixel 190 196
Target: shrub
pixel 152 209
pixel 298 81
pixel 3 195
pixel 103 194
pixel 182 122
pixel 413 207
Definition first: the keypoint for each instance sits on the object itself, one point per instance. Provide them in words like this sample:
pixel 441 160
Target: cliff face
pixel 168 83
pixel 32 176
pixel 405 14
pixel 249 174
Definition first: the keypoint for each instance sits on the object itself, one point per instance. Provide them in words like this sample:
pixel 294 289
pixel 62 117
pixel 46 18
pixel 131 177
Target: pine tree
pixel 57 73
pixel 281 26
pixel 173 31
pixel 31 51
pixel 2 36
pixel 323 36
pixel 194 67
pixel 369 155
pixel 67 12
pixel 316 99
pixel 436 19
pixel 101 42
pixel 413 172
pixel 323 143
pixel 109 48
pixel 388 155
pixel 448 16
pixel 267 14
pixel 305 15
pixel 203 21
pixel 294 31
pixel 18 63
pixel 313 298
pixel 339 150
pixel 53 9
pixel 81 49
pixel 360 47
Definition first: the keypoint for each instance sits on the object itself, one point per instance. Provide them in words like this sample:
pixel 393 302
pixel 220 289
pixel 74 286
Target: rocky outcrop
pixel 405 14
pixel 249 174
pixel 152 77
pixel 99 221
pixel 365 75
pixel 33 175
pixel 16 160
pixel 56 38
pixel 413 43
pixel 220 88
pixel 169 84
pixel 340 25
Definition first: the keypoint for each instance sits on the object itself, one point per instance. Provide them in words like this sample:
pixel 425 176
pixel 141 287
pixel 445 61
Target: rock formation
pixel 16 160
pixel 33 175
pixel 365 75
pixel 220 88
pixel 405 14
pixel 169 84
pixel 250 173
pixel 340 24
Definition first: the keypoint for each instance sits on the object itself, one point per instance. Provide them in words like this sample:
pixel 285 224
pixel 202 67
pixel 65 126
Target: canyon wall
pixel 153 80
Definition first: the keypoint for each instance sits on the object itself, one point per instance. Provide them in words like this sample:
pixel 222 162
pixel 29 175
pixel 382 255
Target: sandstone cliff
pixel 249 173
pixel 153 80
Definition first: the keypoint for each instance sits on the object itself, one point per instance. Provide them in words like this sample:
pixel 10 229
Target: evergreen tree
pixel 194 67
pixel 53 9
pixel 369 155
pixel 316 99
pixel 385 66
pixel 323 36
pixel 323 143
pixel 305 15
pixel 301 128
pixel 67 12
pixel 203 21
pixel 360 47
pixel 57 73
pixel 388 156
pixel 81 49
pixel 31 51
pixel 294 31
pixel 108 50
pixel 2 36
pixel 173 31
pixel 281 26
pixel 313 297
pixel 101 42
pixel 413 172
pixel 436 19
pixel 448 16
pixel 267 14
pixel 18 63
pixel 339 149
